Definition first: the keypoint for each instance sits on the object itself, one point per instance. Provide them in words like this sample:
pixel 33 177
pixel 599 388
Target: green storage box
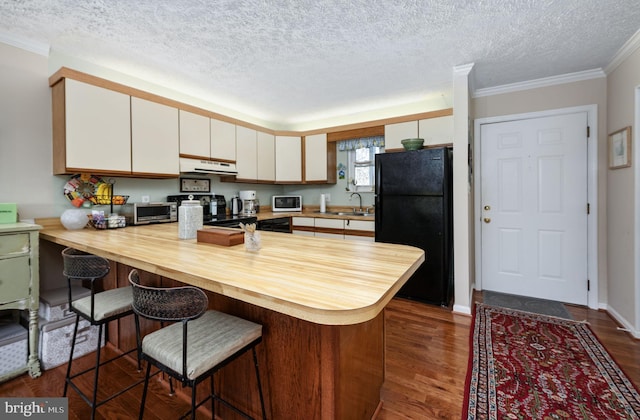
pixel 8 212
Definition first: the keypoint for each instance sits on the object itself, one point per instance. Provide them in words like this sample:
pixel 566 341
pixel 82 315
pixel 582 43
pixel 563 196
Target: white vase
pixel 74 219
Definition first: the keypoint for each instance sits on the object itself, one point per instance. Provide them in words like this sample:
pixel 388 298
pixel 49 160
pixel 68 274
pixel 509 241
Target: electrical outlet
pixel 145 199
pixel 327 197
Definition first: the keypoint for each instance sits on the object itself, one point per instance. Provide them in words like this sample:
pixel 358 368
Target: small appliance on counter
pixel 236 206
pixel 286 203
pixel 207 201
pixel 146 213
pixel 215 213
pixel 250 203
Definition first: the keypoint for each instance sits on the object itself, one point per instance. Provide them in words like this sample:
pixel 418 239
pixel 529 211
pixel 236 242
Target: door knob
pixel 487 220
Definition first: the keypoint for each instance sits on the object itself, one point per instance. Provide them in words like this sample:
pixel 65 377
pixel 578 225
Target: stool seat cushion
pixel 108 303
pixel 211 339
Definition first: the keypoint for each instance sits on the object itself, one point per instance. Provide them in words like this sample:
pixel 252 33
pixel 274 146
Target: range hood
pixel 197 166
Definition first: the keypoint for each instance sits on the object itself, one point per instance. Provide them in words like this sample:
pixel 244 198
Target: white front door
pixel 534 207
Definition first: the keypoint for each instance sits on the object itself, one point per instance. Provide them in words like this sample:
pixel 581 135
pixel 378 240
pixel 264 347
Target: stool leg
pixel 213 399
pixel 193 402
pixel 144 391
pixel 73 345
pixel 255 362
pixel 95 378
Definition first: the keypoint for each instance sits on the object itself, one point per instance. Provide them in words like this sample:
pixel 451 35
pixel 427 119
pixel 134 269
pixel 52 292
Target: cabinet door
pixel 395 133
pixel 329 228
pixel 436 131
pixel 97 128
pixel 246 153
pixel 360 226
pixel 315 157
pixel 288 159
pixel 15 279
pixel 266 157
pixel 302 226
pixel 154 138
pixel 194 135
pixel 223 140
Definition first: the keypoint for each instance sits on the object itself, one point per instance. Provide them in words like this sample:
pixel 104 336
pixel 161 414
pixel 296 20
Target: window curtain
pixel 353 144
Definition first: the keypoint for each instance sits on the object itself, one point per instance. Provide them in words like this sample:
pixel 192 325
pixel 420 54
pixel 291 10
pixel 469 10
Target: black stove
pixel 214 210
pixel 231 221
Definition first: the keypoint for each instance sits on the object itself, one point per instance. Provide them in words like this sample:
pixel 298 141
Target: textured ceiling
pixel 291 61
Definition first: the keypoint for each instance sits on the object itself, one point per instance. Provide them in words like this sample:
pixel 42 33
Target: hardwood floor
pixel 426 362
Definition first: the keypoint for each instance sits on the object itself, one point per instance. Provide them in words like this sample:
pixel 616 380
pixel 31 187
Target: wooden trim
pixel 335 231
pixel 184 155
pixel 59 128
pixel 304 228
pixel 65 72
pixel 356 133
pixel 365 233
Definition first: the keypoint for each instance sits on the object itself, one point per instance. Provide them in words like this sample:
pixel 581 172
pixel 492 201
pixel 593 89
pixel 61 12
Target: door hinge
pixel 588 208
pixel 588 285
pixel 588 131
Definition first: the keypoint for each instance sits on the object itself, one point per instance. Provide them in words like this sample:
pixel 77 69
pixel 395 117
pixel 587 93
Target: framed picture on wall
pixel 620 148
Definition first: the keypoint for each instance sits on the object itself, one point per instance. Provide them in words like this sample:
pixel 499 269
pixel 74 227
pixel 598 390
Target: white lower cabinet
pixel 302 226
pixel 354 230
pixel 334 228
pixel 329 228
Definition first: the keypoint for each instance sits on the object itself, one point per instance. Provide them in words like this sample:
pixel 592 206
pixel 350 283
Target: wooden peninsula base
pixel 322 355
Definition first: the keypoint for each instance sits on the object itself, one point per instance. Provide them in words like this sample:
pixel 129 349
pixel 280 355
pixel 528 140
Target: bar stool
pixel 98 308
pixel 193 349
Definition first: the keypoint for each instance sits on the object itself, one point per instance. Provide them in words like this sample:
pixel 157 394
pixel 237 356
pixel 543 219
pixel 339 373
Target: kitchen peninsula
pixel 321 302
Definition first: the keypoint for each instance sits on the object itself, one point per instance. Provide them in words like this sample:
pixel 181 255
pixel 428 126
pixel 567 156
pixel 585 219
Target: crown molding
pixel 624 52
pixel 538 83
pixel 24 44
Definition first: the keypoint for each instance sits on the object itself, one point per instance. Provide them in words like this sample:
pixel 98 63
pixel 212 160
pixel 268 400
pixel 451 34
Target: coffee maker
pixel 250 203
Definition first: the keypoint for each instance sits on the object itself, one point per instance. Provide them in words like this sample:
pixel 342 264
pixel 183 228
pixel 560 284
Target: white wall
pixel 623 190
pixel 25 135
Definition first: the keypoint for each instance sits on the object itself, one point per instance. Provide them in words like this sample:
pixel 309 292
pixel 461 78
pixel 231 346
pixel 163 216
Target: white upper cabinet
pixel 223 140
pixel 246 153
pixel 266 157
pixel 436 131
pixel 315 157
pixel 154 138
pixel 288 159
pixel 194 135
pixel 97 132
pixel 395 133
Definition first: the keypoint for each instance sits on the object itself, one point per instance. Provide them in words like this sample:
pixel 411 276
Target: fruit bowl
pixel 412 144
pixel 107 199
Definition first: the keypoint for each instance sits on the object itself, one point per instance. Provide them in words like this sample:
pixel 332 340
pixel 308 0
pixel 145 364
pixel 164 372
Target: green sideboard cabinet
pixel 20 283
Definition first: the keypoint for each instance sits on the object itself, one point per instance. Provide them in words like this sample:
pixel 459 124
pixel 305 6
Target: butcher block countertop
pixel 324 281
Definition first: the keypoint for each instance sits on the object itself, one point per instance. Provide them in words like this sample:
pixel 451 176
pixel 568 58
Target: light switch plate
pixel 195 185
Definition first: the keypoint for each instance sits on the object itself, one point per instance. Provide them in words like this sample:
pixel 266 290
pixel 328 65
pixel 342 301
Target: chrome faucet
pixel 360 197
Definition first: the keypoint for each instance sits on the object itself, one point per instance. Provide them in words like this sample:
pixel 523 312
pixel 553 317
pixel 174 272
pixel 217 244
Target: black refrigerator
pixel 414 206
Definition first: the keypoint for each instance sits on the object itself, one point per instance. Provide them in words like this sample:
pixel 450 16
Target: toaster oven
pixel 146 213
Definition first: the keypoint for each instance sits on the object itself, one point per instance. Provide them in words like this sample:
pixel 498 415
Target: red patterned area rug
pixel 529 366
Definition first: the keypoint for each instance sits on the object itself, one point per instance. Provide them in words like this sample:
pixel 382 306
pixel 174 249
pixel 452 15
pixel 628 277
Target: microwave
pixel 286 203
pixel 146 213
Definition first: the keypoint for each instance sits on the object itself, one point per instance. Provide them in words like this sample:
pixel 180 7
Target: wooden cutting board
pixel 220 236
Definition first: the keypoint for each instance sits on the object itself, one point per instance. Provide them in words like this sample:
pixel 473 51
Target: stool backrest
pixel 80 265
pixel 182 303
